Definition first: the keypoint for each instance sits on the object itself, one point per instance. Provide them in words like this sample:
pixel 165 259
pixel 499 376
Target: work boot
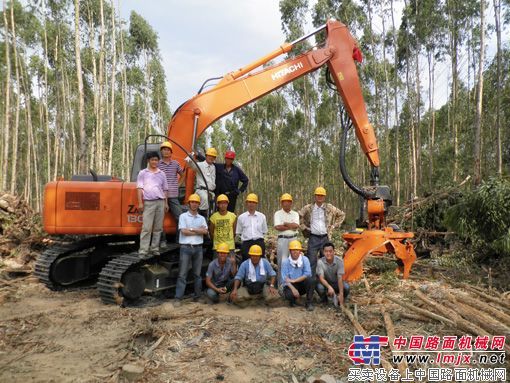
pixel 155 253
pixel 309 306
pixel 143 255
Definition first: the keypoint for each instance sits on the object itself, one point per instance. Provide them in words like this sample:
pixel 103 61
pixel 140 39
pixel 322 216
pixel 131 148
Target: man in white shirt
pixel 286 221
pixel 251 226
pixel 208 170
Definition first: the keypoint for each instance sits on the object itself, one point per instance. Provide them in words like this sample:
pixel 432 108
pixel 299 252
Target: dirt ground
pixel 70 336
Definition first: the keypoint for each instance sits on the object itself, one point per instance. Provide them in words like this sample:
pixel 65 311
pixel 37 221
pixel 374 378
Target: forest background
pixel 80 87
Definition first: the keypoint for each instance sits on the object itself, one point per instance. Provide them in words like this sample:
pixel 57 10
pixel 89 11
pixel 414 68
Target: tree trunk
pixel 82 155
pixel 478 119
pixel 14 158
pixel 395 95
pixel 112 105
pixel 100 149
pixel 7 123
pixel 497 21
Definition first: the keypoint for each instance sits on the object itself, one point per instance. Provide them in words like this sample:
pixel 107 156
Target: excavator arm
pixel 242 87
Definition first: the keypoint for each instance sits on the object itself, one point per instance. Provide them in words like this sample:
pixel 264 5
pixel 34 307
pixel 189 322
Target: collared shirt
pixel 209 171
pixel 251 226
pixel 171 169
pixel 293 272
pixel 318 221
pixel 154 184
pixel 190 221
pixel 331 271
pixel 282 216
pixel 228 181
pixel 242 273
pixel 223 229
pixel 217 274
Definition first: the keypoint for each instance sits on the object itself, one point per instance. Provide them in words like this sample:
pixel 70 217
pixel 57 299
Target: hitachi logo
pixel 286 71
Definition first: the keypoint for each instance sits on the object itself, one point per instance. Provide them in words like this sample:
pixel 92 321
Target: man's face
pixel 295 254
pixel 286 205
pixel 329 253
pixel 229 162
pixel 255 259
pixel 166 152
pixel 222 206
pixel 210 159
pixel 320 199
pixel 193 206
pixel 153 162
pixel 251 205
pixel 222 257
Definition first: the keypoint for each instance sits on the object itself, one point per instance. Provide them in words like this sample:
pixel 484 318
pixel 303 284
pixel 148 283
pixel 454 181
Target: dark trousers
pixel 323 292
pixel 304 287
pixel 245 247
pixel 315 243
pixel 232 199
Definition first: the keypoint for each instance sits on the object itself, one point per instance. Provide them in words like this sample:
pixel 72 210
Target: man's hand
pixel 166 208
pixel 272 290
pixel 140 207
pixel 331 291
pixel 222 290
pixel 233 295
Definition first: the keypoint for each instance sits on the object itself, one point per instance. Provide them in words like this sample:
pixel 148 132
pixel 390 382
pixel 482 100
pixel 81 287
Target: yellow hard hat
pixel 252 197
pixel 255 250
pixel 295 245
pixel 222 198
pixel 286 197
pixel 194 198
pixel 166 144
pixel 211 152
pixel 222 248
pixel 320 191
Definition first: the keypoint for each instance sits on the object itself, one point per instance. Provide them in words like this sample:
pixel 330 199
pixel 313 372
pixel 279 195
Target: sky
pixel 199 39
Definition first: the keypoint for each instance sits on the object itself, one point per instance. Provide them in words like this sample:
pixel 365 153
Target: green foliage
pixel 483 217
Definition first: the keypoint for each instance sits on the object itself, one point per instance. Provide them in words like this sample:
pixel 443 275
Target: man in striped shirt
pixel 171 168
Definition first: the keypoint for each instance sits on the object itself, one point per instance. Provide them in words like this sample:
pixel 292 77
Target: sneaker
pixel 177 302
pixel 155 253
pixel 309 306
pixel 163 245
pixel 143 255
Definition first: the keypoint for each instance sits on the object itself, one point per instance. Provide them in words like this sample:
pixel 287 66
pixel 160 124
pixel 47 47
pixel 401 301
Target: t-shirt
pixel 331 271
pixel 223 229
pixel 218 275
pixel 171 170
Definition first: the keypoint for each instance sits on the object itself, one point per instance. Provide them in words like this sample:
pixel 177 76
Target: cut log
pixel 478 303
pixel 416 317
pixel 390 330
pixel 500 301
pixel 421 311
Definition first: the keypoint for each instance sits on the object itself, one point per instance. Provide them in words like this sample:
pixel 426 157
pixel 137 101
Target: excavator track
pixel 110 283
pixel 45 263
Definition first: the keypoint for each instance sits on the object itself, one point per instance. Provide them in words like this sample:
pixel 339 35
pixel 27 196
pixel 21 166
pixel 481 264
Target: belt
pixel 201 188
pixel 287 236
pixel 190 245
pixel 319 235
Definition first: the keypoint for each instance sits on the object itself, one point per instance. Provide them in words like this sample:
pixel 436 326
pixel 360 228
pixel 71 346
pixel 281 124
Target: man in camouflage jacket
pixel 317 222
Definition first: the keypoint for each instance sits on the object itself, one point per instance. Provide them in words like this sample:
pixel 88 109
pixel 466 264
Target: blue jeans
pixel 189 255
pixel 214 296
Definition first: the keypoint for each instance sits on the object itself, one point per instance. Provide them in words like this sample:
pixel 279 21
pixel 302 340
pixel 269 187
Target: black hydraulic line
pixel 206 81
pixel 346 126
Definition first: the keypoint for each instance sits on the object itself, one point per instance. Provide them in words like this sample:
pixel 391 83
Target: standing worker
pixel 286 221
pixel 317 221
pixel 151 190
pixel 171 168
pixel 208 170
pixel 228 177
pixel 192 228
pixel 251 226
pixel 222 225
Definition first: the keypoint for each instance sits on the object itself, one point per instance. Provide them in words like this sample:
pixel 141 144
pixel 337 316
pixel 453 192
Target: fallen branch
pixel 418 317
pixel 390 330
pixel 149 351
pixel 421 311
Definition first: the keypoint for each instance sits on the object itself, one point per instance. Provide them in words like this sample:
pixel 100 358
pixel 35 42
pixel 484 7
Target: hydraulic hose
pixel 343 170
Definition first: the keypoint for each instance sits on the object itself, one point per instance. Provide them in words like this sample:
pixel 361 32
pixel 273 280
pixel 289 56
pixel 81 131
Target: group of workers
pixel 251 276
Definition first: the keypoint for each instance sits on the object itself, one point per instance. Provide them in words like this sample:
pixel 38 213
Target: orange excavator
pixel 98 213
